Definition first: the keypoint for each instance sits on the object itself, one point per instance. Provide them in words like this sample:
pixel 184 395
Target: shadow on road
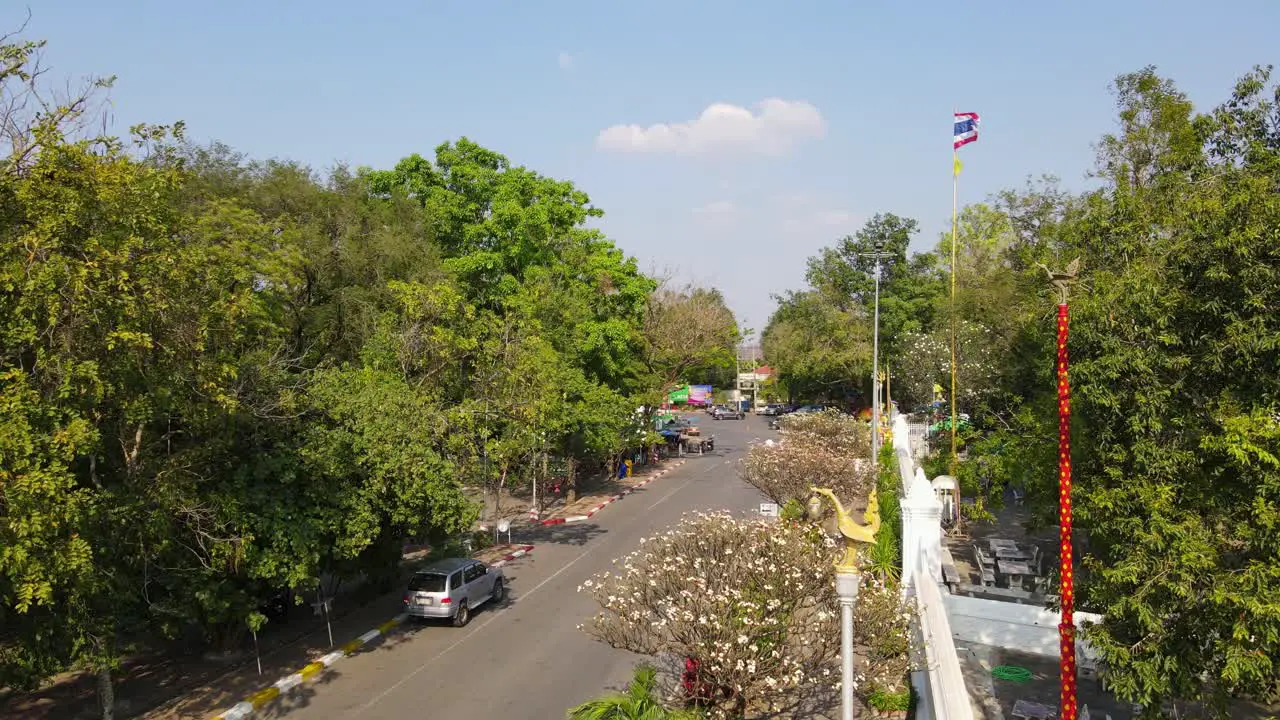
pixel 578 534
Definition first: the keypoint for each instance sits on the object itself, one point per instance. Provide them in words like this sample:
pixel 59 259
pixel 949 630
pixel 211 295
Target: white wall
pixel 1023 628
pixel 940 682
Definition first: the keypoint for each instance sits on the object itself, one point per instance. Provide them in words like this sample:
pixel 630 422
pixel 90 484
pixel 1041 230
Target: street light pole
pixel 879 254
pixel 875 375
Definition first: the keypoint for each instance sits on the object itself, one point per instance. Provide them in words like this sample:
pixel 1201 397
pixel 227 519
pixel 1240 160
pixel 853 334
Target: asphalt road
pixel 526 658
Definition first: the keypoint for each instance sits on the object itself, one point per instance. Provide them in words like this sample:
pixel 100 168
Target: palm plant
pixel 884 558
pixel 639 702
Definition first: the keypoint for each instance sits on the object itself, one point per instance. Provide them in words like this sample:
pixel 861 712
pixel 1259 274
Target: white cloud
pixel 804 215
pixel 565 61
pixel 716 214
pixel 773 128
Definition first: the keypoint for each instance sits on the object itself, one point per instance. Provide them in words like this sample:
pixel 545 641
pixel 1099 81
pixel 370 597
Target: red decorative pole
pixel 1067 627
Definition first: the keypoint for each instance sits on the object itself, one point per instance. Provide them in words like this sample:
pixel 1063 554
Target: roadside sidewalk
pixel 247 693
pixel 610 491
pixel 197 688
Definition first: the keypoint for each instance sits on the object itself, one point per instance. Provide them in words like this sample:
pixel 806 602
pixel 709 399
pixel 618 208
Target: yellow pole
pixel 955 195
pixel 888 396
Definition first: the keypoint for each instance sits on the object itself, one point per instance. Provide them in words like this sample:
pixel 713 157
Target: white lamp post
pixel 879 254
pixel 848 579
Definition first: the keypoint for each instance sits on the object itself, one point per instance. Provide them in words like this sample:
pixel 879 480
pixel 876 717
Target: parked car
pixel 452 589
pixel 805 409
pixel 686 426
pixel 727 412
pixel 772 409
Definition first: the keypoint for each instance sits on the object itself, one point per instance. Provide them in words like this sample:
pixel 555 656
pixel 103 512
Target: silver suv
pixel 452 588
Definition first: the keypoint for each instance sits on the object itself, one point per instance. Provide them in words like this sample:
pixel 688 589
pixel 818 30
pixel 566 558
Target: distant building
pixel 751 385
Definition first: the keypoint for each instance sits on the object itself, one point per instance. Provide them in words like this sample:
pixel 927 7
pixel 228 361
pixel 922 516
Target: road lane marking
pixel 378 698
pixel 705 471
pixel 668 495
pixel 426 663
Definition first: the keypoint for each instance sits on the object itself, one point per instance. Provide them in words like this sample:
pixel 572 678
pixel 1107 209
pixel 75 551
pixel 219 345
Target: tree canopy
pixel 221 377
pixel 1175 372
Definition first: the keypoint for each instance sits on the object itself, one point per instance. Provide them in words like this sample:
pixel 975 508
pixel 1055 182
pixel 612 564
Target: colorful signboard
pixel 699 394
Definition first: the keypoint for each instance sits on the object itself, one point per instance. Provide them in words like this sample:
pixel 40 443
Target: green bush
pixel 885 557
pixel 793 511
pixel 481 539
pixel 885 700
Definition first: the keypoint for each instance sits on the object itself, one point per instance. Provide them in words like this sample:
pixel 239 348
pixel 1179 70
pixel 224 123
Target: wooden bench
pixel 950 575
pixel 988 576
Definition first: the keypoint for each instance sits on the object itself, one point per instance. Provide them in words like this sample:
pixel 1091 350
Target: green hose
pixel 1011 673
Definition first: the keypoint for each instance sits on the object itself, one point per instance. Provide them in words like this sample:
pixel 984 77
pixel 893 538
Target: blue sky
pixel 739 199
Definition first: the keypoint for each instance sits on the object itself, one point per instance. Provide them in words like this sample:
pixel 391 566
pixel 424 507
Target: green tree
pixel 1179 434
pixel 818 350
pixel 687 329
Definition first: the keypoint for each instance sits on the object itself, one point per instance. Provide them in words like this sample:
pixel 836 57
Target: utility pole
pixel 878 255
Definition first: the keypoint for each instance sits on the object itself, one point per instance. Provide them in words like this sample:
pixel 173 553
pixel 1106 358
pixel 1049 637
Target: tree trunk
pixel 497 494
pixel 106 694
pixel 571 484
pixel 543 500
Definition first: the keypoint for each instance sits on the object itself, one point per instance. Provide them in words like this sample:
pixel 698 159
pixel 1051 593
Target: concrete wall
pixel 1024 628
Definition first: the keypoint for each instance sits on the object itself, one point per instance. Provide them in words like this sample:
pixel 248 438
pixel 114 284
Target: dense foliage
pixel 220 378
pixel 827 448
pixel 1175 351
pixel 742 617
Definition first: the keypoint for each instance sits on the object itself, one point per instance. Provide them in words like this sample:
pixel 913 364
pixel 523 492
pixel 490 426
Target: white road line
pixel 668 495
pixel 678 489
pixel 377 698
pixel 425 664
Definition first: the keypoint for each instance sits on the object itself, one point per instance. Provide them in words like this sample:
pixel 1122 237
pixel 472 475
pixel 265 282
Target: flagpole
pixel 955 195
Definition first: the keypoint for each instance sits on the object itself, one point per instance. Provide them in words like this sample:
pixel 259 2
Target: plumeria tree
pixel 740 614
pixel 828 449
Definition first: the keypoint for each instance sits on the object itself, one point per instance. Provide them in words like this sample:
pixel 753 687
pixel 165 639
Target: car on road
pixel 452 588
pixel 772 409
pixel 802 410
pixel 813 408
pixel 726 412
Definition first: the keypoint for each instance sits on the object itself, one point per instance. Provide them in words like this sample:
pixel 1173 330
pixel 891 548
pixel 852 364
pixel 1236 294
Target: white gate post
pixel 921 533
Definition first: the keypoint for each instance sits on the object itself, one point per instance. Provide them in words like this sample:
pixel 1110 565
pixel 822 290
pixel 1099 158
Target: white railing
pixel 940 683
pixel 945 689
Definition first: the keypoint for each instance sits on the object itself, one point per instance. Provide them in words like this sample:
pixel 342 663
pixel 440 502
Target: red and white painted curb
pixel 524 550
pixel 255 702
pixel 615 498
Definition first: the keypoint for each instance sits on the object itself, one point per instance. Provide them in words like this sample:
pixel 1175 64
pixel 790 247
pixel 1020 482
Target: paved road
pixel 527 659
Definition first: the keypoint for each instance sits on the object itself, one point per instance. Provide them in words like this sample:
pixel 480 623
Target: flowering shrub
pixel 838 432
pixel 742 613
pixel 883 621
pixel 825 449
pixel 926 359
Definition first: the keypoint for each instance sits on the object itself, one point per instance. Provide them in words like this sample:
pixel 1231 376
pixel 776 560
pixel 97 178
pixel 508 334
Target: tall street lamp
pixel 878 255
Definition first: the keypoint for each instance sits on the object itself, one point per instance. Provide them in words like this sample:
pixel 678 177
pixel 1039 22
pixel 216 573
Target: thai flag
pixel 966 129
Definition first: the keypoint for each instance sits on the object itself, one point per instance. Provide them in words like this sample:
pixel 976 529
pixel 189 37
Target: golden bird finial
pixel 1062 280
pixel 852 532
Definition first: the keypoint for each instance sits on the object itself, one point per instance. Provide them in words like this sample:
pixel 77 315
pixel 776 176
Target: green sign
pixel 679 395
